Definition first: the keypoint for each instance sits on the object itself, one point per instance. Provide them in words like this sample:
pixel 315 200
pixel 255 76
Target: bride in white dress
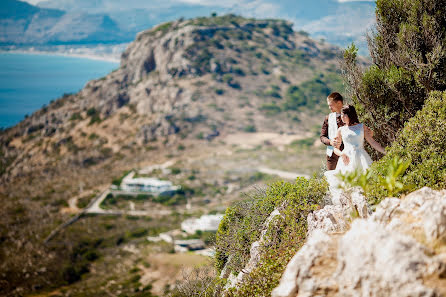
pixel 353 157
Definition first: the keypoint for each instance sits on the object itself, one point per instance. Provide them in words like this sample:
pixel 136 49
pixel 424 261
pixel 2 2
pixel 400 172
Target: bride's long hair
pixel 350 111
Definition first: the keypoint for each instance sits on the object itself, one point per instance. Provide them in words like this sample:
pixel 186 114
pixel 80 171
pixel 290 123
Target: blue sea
pixel 28 81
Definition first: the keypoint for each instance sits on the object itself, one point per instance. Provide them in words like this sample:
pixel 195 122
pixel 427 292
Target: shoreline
pixel 104 58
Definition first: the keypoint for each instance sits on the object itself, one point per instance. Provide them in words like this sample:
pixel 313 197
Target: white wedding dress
pixel 353 139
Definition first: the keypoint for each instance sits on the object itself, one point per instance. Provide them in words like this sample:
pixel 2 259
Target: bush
pixel 408 55
pixel 242 224
pixel 312 93
pixel 117 181
pixel 250 129
pixel 219 91
pixel 422 143
pixel 137 233
pixel 270 109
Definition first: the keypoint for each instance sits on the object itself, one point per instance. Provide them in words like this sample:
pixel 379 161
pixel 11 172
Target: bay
pixel 28 81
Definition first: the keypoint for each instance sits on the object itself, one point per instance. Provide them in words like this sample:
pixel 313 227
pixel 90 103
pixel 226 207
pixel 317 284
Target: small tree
pixel 408 50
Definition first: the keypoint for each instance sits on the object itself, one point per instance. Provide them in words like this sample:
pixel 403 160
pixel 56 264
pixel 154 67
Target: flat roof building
pixel 147 184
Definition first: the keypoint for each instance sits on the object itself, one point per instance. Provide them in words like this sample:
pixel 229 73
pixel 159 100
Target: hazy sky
pixel 198 1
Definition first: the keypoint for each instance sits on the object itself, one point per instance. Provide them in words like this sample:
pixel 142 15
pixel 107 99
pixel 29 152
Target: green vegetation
pixel 270 109
pixel 309 94
pixel 409 62
pixel 250 128
pixel 219 91
pixel 80 257
pixel 76 116
pixel 416 158
pixel 163 28
pixel 243 224
pixel 397 97
pixel 94 115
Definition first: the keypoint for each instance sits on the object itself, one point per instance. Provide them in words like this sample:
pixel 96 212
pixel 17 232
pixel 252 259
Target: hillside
pixel 183 80
pixel 219 98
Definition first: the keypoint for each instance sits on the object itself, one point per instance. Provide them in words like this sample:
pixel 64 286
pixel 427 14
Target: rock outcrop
pixel 399 251
pixel 335 217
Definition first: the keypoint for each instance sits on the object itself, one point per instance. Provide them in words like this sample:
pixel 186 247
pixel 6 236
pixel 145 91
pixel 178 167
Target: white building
pixel 147 184
pixel 204 223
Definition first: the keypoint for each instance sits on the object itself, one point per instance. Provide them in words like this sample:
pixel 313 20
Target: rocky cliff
pixel 399 251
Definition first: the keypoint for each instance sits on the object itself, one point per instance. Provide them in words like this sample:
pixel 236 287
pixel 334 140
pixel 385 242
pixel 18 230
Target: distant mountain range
pixel 108 21
pixel 25 24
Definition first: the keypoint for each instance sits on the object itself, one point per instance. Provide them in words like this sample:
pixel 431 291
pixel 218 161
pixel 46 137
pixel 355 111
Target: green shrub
pixel 175 170
pixel 219 91
pixel 422 143
pixel 305 142
pixel 270 109
pixel 75 116
pixel 137 233
pixel 250 129
pixel 239 71
pixel 284 79
pixel 408 63
pixel 310 94
pixel 117 181
pixel 242 225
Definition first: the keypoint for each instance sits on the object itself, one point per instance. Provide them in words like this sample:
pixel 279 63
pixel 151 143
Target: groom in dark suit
pixel 331 124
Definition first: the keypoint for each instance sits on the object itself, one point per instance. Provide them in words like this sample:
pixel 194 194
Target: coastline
pixel 90 56
pixel 99 52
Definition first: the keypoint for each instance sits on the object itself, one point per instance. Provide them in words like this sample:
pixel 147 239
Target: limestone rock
pixel 334 218
pixel 399 251
pixel 329 219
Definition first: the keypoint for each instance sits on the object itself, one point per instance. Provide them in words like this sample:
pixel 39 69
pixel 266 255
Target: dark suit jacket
pixel 333 160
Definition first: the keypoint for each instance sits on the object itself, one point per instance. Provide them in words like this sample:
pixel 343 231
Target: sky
pixel 198 1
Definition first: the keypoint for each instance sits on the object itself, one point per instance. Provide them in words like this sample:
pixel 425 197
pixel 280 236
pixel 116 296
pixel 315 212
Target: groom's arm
pixel 324 132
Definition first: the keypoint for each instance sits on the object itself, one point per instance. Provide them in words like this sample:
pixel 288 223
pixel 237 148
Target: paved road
pixel 95 208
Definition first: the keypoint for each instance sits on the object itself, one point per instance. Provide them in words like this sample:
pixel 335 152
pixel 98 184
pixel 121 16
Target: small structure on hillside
pixel 147 185
pixel 204 223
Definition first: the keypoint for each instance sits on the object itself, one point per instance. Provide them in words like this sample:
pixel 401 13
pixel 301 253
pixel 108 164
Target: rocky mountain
pixel 185 79
pixel 25 24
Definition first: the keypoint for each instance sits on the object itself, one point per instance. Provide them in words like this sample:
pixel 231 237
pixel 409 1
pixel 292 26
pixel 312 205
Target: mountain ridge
pixel 25 24
pixel 337 22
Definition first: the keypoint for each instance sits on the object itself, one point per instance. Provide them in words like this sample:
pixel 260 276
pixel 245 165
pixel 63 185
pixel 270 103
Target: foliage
pixel 408 49
pixel 270 109
pixel 421 143
pixel 94 115
pixel 250 128
pixel 243 224
pixel 311 93
pixel 416 158
pixel 391 183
